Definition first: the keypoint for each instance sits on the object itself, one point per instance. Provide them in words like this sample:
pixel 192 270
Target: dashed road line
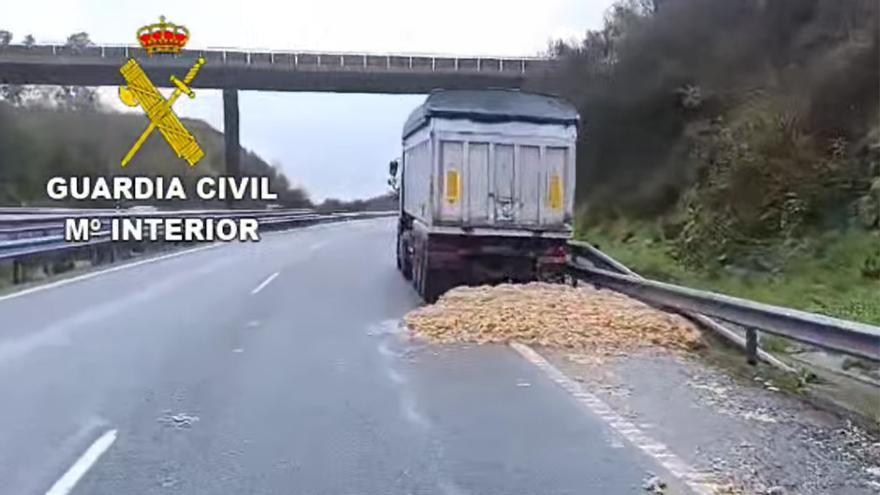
pixel 68 481
pixel 700 482
pixel 264 283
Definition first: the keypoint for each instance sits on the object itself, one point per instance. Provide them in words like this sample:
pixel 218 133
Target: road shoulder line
pixel 701 483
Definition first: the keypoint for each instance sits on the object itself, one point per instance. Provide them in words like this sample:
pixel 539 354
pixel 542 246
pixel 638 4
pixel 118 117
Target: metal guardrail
pixel 853 338
pixel 21 244
pixel 302 59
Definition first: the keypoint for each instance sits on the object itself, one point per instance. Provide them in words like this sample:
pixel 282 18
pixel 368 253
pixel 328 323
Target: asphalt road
pixel 219 376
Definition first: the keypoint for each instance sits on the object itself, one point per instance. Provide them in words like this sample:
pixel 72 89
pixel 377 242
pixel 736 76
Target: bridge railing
pixel 356 61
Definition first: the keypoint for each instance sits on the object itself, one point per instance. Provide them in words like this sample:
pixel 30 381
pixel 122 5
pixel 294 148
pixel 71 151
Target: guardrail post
pixel 94 256
pixel 752 346
pixel 230 134
pixel 17 272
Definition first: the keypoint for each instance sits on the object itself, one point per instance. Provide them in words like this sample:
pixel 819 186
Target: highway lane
pixel 279 367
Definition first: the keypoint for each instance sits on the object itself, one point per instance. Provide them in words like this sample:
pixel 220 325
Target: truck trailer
pixel 486 189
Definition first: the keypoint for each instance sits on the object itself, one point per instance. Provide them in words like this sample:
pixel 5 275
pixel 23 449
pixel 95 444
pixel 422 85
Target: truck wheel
pixel 404 261
pixel 430 284
pixel 416 271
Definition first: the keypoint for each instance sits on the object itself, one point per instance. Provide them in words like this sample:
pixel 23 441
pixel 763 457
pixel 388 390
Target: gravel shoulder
pixel 751 428
pixel 752 434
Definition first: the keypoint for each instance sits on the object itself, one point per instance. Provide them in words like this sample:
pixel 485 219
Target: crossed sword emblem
pixel 141 91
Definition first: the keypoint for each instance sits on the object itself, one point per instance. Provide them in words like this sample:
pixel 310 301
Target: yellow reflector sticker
pixel 453 186
pixel 554 196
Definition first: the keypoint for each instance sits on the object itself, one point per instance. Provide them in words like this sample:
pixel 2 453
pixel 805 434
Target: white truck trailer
pixel 486 189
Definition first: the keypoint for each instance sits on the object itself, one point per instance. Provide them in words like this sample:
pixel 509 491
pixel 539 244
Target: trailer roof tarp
pixel 492 105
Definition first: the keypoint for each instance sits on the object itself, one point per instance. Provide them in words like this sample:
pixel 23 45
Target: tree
pixel 78 41
pixel 12 93
pixel 29 41
pixel 76 98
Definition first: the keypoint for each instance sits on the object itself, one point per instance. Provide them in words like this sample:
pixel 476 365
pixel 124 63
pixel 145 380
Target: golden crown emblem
pixel 163 37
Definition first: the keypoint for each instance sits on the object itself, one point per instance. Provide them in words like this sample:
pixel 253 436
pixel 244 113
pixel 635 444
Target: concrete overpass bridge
pixel 233 70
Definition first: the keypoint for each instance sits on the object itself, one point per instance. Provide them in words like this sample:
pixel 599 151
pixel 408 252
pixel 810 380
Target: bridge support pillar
pixel 230 132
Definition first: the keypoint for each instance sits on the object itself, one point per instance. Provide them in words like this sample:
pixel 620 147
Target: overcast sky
pixel 335 145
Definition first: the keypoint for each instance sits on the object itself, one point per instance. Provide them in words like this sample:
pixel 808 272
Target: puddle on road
pixel 387 327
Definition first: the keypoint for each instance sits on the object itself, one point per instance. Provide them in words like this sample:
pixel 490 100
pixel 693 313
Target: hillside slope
pixel 38 143
pixel 735 145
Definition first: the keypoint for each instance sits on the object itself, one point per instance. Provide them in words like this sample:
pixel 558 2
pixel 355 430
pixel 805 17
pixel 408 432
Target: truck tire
pixel 404 260
pixel 430 284
pixel 417 268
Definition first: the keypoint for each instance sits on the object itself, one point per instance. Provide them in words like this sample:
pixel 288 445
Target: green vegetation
pixel 39 143
pixel 824 274
pixel 383 202
pixel 734 145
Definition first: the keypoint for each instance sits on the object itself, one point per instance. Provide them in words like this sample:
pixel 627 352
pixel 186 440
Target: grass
pixel 822 275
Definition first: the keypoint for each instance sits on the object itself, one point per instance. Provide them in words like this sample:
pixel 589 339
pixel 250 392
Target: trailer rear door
pixel 504 201
pixel 530 175
pixel 502 184
pixel 451 171
pixel 553 187
pixel 476 188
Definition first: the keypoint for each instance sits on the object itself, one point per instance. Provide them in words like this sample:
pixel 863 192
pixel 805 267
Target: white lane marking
pixel 264 283
pixel 94 274
pixel 66 483
pixel 318 245
pixel 700 482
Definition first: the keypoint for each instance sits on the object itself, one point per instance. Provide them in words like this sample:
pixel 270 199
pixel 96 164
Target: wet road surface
pixel 279 367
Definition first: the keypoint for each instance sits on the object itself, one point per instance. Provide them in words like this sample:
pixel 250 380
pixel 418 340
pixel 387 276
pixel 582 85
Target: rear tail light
pixel 558 251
